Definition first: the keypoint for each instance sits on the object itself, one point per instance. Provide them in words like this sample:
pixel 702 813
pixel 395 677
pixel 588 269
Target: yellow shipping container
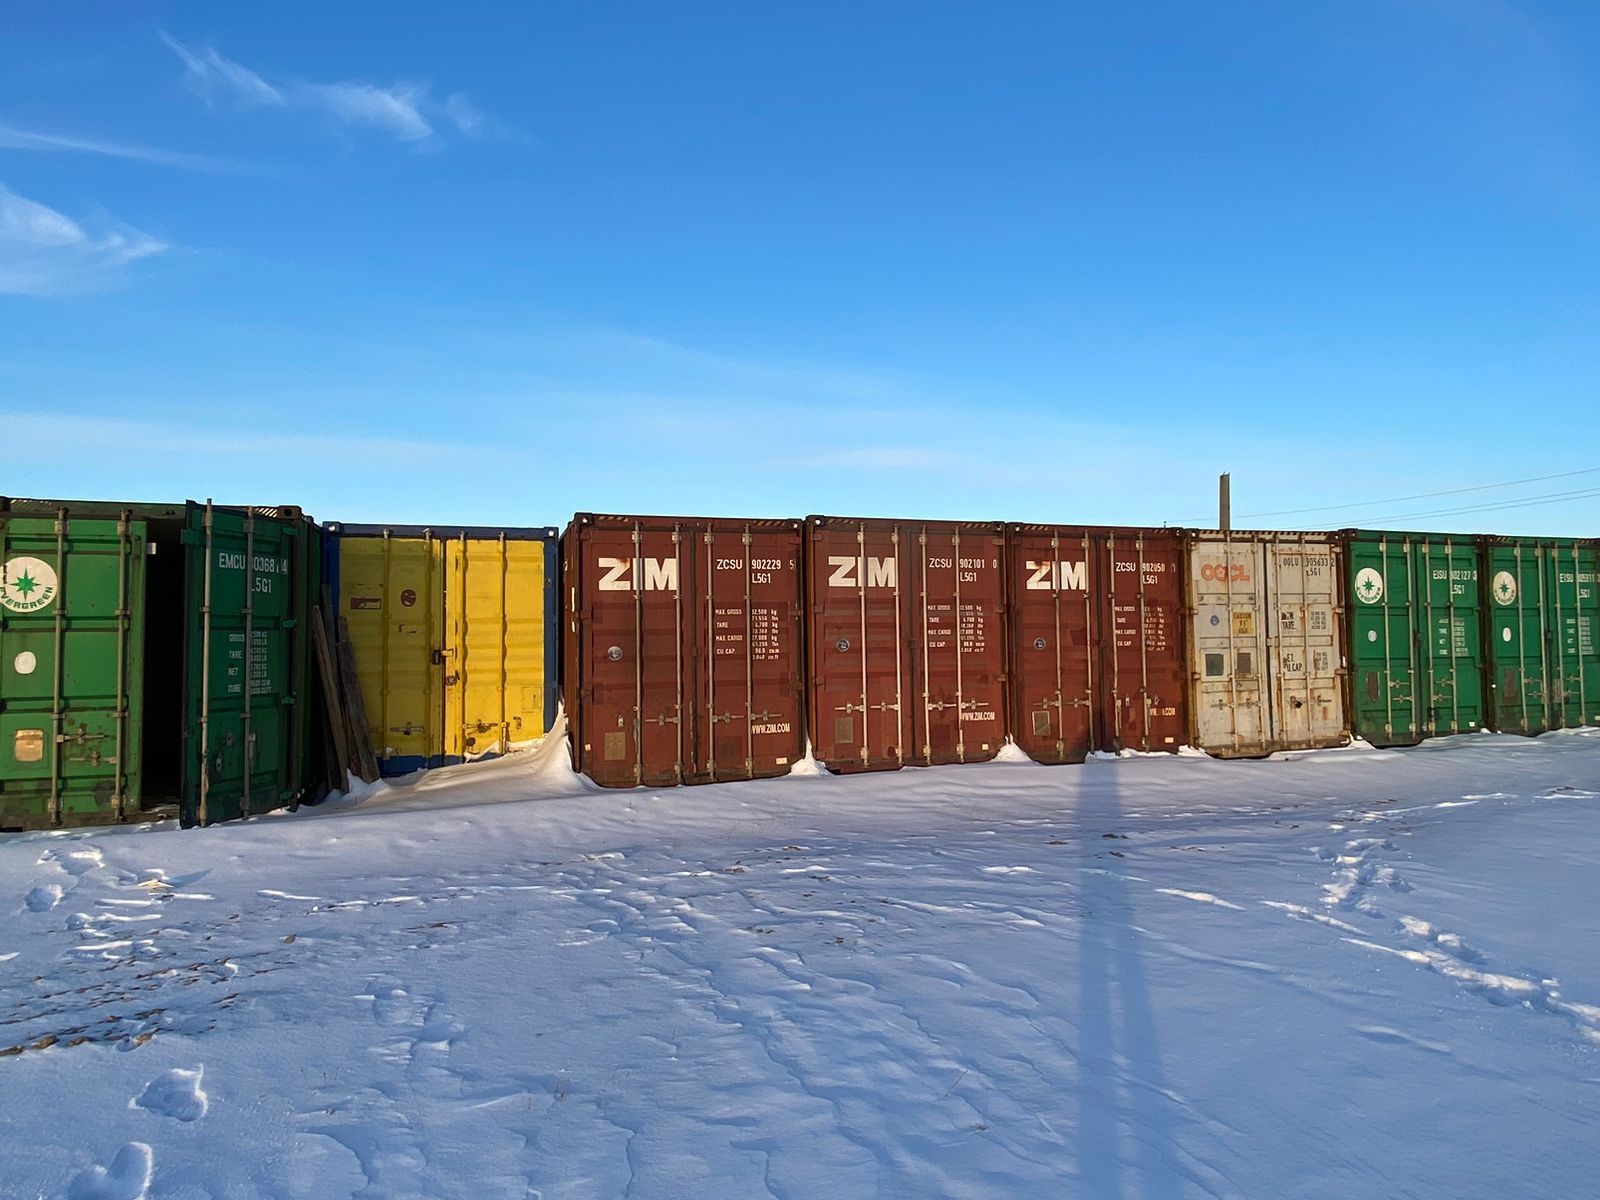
pixel 456 637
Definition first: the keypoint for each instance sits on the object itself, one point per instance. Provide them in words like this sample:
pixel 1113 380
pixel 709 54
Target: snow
pixel 1359 973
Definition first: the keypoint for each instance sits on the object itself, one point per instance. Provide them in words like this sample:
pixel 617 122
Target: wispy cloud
pixel 13 138
pixel 46 253
pixel 406 112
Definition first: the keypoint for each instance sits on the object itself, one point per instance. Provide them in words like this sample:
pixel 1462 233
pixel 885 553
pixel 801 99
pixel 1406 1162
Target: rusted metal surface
pixel 683 648
pixel 1096 630
pixel 1265 656
pixel 907 642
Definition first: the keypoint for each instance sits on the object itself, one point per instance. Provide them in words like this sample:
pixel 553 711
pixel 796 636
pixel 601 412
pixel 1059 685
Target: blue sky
pixel 494 264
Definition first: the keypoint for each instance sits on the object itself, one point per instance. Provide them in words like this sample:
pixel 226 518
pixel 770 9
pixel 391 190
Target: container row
pixel 175 660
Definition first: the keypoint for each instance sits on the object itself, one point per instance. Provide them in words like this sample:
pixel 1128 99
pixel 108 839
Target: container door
pixel 1451 641
pixel 1053 636
pixel 1518 637
pixel 1144 678
pixel 391 595
pixel 71 670
pixel 1575 660
pixel 246 620
pixel 1307 702
pixel 861 692
pixel 748 721
pixel 494 652
pixel 958 713
pixel 1383 637
pixel 633 662
pixel 1227 584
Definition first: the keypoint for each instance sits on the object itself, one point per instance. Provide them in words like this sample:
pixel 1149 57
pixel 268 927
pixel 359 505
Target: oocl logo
pixel 28 585
pixel 1223 573
pixel 1369 586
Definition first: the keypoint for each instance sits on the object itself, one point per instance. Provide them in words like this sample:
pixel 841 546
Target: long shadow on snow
pixel 1120 1048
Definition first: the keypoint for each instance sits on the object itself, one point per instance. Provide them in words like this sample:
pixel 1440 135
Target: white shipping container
pixel 1264 651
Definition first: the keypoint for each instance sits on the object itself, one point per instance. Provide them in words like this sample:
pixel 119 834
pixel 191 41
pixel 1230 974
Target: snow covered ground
pixel 1353 973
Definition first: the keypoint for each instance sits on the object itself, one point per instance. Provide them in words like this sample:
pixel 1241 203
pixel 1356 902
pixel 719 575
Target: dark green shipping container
pixel 1414 629
pixel 154 661
pixel 1543 611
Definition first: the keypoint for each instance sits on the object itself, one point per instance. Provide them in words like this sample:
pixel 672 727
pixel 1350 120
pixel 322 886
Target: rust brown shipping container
pixel 683 659
pixel 1097 651
pixel 906 645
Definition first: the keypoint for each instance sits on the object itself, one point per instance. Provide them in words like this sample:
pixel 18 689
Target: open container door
pixel 246 609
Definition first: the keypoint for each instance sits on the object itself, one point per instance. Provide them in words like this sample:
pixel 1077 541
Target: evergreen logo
pixel 27 585
pixel 1369 586
pixel 1504 588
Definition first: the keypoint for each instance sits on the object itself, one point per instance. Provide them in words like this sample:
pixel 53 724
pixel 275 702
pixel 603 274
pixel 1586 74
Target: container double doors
pixel 1096 622
pixel 71 669
pixel 683 649
pixel 907 642
pixel 1264 644
pixel 249 582
pixel 1415 637
pixel 455 639
pixel 1544 634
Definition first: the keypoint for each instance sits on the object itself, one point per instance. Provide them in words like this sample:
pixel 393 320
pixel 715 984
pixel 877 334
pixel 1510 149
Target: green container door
pixel 1517 583
pixel 1575 621
pixel 246 612
pixel 71 621
pixel 1415 629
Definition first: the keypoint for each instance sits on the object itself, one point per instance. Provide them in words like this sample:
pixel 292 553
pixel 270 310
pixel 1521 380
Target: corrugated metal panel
pixel 456 637
pixel 71 669
pixel 1096 632
pixel 683 648
pixel 907 642
pixel 1543 626
pixel 1264 649
pixel 1415 636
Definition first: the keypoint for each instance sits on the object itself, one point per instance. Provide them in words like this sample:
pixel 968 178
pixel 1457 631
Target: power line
pixel 1526 502
pixel 1483 487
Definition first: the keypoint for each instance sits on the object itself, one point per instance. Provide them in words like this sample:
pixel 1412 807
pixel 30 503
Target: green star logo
pixel 26 584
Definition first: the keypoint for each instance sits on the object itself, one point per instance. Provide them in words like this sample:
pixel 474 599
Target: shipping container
pixel 154 661
pixel 1265 662
pixel 906 645
pixel 683 659
pixel 455 633
pixel 1543 655
pixel 1414 635
pixel 1097 657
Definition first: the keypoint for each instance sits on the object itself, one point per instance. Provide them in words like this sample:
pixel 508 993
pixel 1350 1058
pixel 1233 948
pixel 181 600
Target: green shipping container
pixel 154 661
pixel 1414 629
pixel 1543 611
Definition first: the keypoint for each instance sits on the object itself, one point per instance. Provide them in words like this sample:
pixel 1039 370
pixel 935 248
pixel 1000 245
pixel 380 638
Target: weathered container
pixel 1096 623
pixel 1265 664
pixel 1414 635
pixel 683 648
pixel 906 645
pixel 456 634
pixel 154 660
pixel 1543 633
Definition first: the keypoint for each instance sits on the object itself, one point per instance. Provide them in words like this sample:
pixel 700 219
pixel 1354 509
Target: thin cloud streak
pixel 14 138
pixel 46 253
pixel 406 112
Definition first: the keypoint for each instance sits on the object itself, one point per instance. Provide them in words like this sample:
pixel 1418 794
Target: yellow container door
pixel 494 652
pixel 391 591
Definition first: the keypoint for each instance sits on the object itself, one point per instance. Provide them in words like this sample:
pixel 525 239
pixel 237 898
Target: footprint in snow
pixel 127 1178
pixel 43 898
pixel 176 1094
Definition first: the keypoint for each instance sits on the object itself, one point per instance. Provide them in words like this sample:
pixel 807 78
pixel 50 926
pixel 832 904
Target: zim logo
pixel 1369 586
pixel 28 585
pixel 1504 588
pixel 1053 576
pixel 847 572
pixel 659 574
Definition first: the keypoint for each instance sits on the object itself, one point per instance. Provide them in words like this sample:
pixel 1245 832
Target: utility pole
pixel 1224 513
